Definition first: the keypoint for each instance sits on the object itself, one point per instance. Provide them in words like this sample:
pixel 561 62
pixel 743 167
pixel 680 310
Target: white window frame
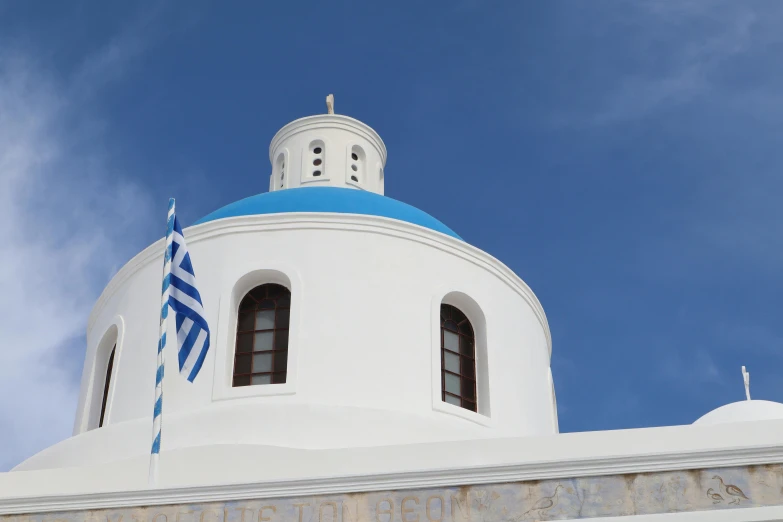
pixel 461 299
pixel 277 273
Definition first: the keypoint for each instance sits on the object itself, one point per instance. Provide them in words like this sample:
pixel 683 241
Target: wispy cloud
pixel 685 75
pixel 112 61
pixel 686 369
pixel 69 217
pixel 681 51
pixel 715 63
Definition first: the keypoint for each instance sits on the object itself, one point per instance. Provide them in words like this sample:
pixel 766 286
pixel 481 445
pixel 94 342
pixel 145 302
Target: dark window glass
pixel 246 322
pixel 242 380
pixel 106 384
pixel 458 358
pixel 261 355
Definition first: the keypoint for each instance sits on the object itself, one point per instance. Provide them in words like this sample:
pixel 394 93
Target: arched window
pixel 261 355
pixel 106 384
pixel 458 358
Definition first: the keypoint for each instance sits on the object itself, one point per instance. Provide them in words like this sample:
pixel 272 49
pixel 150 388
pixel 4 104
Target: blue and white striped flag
pixel 180 294
pixel 184 299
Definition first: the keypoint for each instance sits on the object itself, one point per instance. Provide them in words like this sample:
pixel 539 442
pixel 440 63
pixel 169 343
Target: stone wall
pixel 578 498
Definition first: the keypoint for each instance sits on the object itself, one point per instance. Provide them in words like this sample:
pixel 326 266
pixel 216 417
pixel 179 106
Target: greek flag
pixel 179 293
pixel 185 301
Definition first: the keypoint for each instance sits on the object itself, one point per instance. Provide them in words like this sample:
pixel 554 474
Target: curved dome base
pixel 743 411
pixel 281 426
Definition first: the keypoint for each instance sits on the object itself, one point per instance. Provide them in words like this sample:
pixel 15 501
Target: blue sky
pixel 622 157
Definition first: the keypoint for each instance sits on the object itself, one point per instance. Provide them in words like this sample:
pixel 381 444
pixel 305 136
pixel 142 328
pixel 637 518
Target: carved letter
pixel 405 510
pixel 242 518
pixel 301 509
pixel 346 512
pixel 332 505
pixel 155 518
pixel 389 511
pixel 261 517
pixel 440 509
pixel 464 508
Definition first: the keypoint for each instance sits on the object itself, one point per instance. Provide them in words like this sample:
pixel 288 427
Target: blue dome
pixel 328 199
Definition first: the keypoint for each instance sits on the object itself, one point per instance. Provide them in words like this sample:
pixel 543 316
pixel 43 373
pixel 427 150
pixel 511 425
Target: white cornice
pixel 328 121
pixel 401 481
pixel 331 221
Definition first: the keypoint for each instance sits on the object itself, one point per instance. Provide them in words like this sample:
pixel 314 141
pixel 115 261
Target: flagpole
pixel 157 419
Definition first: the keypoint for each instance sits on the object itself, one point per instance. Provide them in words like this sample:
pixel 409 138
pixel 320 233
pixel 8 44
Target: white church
pixel 366 365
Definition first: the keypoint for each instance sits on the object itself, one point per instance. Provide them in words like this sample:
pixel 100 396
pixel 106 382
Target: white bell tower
pixel 327 150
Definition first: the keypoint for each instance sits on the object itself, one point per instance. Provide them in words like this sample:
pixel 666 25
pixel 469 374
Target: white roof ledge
pixel 253 472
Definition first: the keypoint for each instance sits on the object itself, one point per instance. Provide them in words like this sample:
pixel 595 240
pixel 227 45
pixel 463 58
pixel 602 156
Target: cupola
pixel 327 150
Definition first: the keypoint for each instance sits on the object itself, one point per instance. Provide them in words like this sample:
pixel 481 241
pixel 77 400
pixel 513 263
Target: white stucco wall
pixel 364 360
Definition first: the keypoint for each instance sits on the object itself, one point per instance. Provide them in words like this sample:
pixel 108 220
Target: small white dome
pixel 743 411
